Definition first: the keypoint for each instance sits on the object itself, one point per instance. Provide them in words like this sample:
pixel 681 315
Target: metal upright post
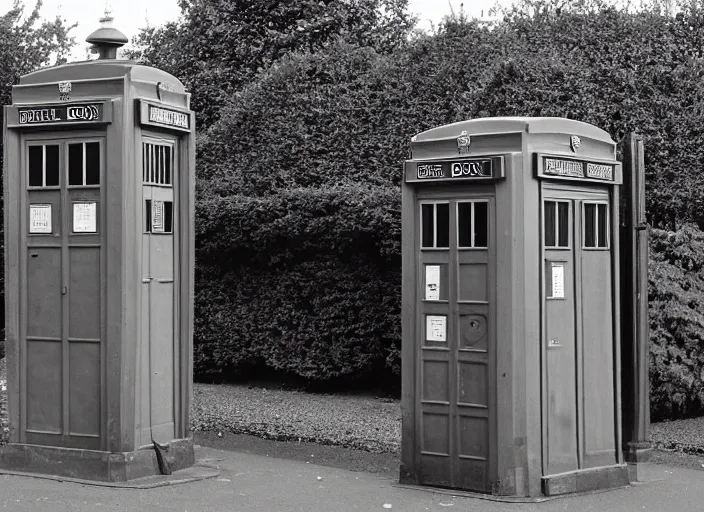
pixel 634 293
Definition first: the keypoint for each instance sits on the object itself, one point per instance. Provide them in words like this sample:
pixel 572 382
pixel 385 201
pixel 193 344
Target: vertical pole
pixel 634 296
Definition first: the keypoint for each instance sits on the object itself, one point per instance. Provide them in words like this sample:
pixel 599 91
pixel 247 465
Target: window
pixel 472 224
pixel 596 225
pixel 159 216
pixel 84 164
pixel 435 226
pixel 157 164
pixel 557 224
pixel 43 165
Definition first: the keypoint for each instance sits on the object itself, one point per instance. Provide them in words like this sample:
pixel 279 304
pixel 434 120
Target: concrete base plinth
pixel 637 454
pixel 607 477
pixel 92 464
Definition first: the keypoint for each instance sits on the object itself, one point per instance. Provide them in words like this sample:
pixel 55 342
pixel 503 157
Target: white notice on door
pixel 157 216
pixel 40 218
pixel 432 282
pixel 558 281
pixel 436 328
pixel 84 217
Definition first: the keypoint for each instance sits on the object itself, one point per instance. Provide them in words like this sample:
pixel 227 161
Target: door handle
pixel 147 279
pixel 64 290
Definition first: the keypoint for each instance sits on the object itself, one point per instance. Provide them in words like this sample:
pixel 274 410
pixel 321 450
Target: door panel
pixel 597 333
pixel 159 342
pixel 456 380
pixel 61 398
pixel 579 429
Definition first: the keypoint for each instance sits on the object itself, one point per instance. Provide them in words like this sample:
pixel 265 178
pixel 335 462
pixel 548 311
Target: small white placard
pixel 558 281
pixel 432 282
pixel 84 217
pixel 157 216
pixel 40 218
pixel 436 328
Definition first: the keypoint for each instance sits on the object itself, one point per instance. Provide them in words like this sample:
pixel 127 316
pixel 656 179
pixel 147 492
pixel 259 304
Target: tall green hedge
pixel 676 307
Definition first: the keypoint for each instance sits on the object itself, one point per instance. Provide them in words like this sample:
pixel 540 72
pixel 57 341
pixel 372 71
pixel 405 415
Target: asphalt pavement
pixel 236 481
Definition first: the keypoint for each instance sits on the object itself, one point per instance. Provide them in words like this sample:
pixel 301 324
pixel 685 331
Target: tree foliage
pixel 218 46
pixel 27 43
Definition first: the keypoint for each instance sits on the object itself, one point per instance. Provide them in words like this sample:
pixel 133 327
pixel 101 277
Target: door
pixel 578 355
pixel 61 354
pixel 159 308
pixel 456 428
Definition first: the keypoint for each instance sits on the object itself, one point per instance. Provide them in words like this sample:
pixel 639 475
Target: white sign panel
pixel 84 217
pixel 157 216
pixel 558 281
pixel 436 328
pixel 40 218
pixel 432 282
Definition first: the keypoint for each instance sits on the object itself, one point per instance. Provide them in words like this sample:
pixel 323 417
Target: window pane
pixel 152 174
pixel 36 156
pixel 167 181
pixel 589 225
pixel 443 225
pixel 168 216
pixel 75 164
pixel 162 164
pixel 92 163
pixel 464 224
pixel 603 226
pixel 52 166
pixel 550 238
pixel 428 225
pixel 148 215
pixel 481 224
pixel 144 162
pixel 563 224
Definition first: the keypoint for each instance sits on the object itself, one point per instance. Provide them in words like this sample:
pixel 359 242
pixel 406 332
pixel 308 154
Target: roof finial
pixel 106 40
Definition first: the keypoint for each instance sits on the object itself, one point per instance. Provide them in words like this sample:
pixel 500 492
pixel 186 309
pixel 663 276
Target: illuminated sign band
pixel 160 116
pixel 577 169
pixel 89 112
pixel 476 168
pixel 169 117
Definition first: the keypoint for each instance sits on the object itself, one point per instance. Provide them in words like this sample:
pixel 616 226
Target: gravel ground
pixel 686 436
pixel 365 423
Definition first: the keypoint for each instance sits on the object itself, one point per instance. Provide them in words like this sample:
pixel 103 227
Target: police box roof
pixel 499 125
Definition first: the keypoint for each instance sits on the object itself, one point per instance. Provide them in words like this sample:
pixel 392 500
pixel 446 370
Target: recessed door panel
pixel 44 292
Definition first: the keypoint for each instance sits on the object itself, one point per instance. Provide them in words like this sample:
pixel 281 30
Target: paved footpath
pixel 256 483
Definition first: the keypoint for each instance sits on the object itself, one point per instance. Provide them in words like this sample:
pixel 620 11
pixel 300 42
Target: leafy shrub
pixel 676 314
pixel 319 320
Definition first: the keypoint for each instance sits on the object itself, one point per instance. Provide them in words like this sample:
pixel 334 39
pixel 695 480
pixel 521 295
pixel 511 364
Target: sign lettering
pixel 61 114
pixel 600 172
pixel 474 168
pixel 430 171
pixel 169 117
pixel 564 168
